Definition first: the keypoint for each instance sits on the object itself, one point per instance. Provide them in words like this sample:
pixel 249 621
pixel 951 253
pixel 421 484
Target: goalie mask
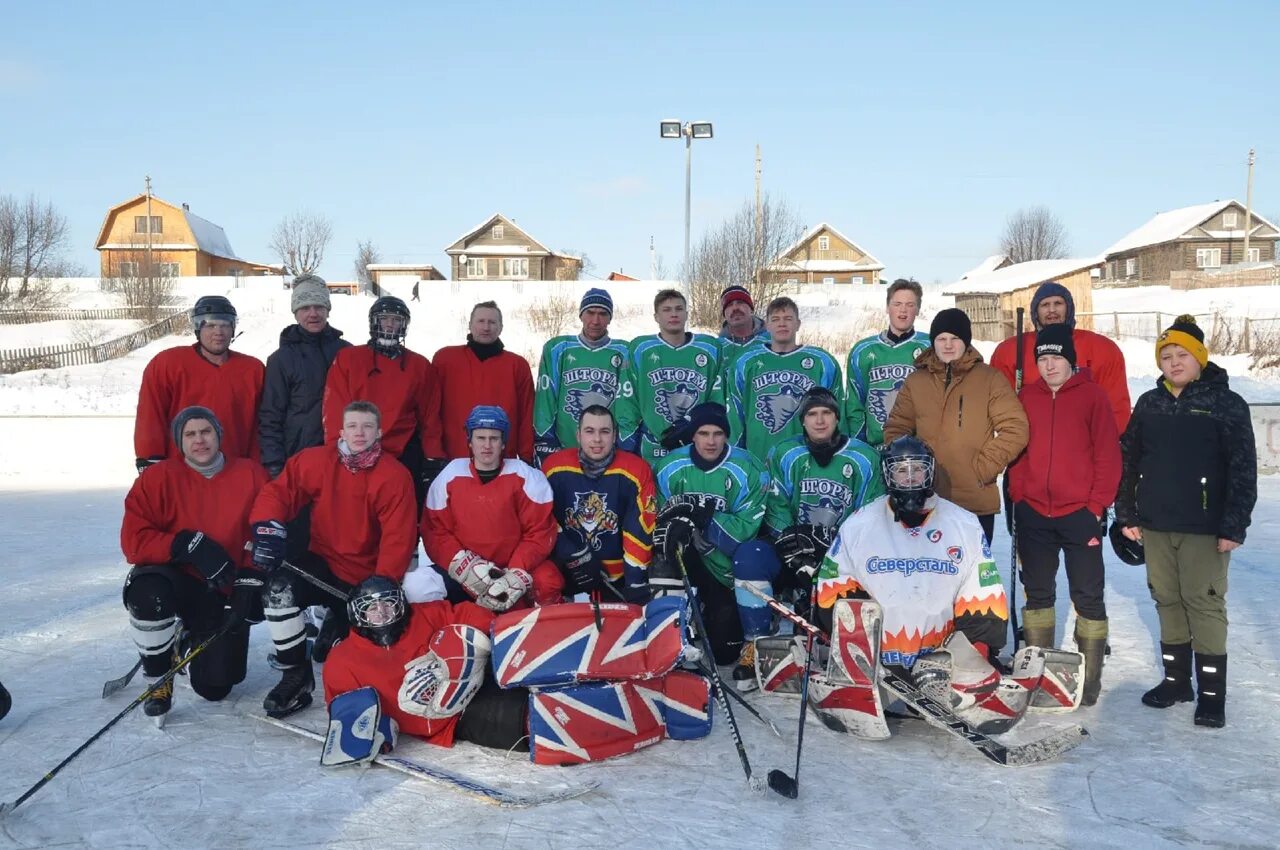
pixel 907 465
pixel 388 323
pixel 378 611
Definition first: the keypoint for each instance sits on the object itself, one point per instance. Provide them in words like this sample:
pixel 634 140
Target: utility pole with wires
pixel 148 184
pixel 759 210
pixel 653 261
pixel 1248 208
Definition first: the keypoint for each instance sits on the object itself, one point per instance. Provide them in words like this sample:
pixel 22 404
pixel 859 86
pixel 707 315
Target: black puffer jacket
pixel 289 418
pixel 1190 465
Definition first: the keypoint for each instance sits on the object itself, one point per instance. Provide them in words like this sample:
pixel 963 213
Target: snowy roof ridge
pixel 488 221
pixel 812 232
pixel 210 238
pixel 1020 275
pixel 990 264
pixel 1173 224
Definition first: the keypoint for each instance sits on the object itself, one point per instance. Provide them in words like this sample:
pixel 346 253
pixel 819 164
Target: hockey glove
pixel 203 553
pixel 677 434
pixel 542 450
pixel 431 467
pixel 507 590
pixel 245 605
pixel 678 531
pixel 474 573
pixel 637 592
pixel 269 544
pixel 578 565
pixel 703 512
pixel 143 462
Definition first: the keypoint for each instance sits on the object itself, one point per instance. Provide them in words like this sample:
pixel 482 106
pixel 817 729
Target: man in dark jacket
pixel 289 416
pixel 1189 484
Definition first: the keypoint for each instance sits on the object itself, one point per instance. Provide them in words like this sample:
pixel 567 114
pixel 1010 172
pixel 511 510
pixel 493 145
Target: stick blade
pixel 783 784
pixel 5 808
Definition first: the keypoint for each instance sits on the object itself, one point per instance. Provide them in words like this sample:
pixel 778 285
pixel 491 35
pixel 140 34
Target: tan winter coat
pixel 969 416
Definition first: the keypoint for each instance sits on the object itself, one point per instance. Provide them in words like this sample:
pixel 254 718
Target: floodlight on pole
pixel 672 128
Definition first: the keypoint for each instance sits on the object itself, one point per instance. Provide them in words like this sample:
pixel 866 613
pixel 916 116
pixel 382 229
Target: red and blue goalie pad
pixel 600 720
pixel 565 644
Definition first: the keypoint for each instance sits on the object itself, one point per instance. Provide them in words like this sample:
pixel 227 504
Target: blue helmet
pixel 488 416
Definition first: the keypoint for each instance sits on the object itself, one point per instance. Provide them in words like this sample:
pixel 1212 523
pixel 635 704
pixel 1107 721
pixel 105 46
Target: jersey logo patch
pixel 880 403
pixel 956 554
pixel 935 535
pixel 590 514
pixel 825 513
pixel 775 410
pixel 576 401
pixel 987 574
pixel 674 404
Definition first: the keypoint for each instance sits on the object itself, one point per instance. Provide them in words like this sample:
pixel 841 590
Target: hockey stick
pixel 5 808
pixel 111 686
pixel 318 582
pixel 789 786
pixel 1018 635
pixel 941 716
pixel 717 684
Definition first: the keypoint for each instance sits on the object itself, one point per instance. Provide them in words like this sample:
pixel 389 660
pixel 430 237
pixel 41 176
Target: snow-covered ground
pixel 215 778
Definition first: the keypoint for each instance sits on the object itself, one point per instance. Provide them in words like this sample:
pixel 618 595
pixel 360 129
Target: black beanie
pixel 1056 339
pixel 708 413
pixel 951 321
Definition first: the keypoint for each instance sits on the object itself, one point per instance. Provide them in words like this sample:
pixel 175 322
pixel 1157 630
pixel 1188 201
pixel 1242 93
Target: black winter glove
pixel 269 540
pixel 203 552
pixel 245 605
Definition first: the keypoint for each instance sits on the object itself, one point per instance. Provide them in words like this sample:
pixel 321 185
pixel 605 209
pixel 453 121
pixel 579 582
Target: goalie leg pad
pixel 756 564
pixel 848 708
pixel 847 698
pixel 685 699
pixel 777 669
pixel 358 730
pixel 979 695
pixel 442 682
pixel 565 644
pixel 1062 685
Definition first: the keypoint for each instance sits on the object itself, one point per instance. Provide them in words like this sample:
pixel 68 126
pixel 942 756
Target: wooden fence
pixel 26 317
pixel 74 354
pixel 1223 334
pixel 1237 275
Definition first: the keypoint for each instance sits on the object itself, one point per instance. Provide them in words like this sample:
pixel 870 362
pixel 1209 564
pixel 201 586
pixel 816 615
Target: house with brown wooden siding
pixel 992 297
pixel 1206 236
pixel 498 250
pixel 177 242
pixel 823 255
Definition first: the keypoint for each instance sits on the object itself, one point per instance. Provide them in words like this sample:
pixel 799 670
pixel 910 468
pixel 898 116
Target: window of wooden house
pixel 497 231
pixel 1131 267
pixel 1230 219
pixel 515 267
pixel 857 280
pixel 1208 258
pixel 828 280
pixel 475 267
pixel 824 243
pixel 793 281
pixel 140 224
pixel 126 268
pixel 1255 255
pixel 168 269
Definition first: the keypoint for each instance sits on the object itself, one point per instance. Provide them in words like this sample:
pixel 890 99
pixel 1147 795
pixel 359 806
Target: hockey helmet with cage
pixel 391 332
pixel 216 308
pixel 907 465
pixel 378 611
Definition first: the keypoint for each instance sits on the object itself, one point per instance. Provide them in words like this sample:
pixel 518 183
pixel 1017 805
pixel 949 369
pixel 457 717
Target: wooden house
pixel 1206 236
pixel 498 250
pixel 178 243
pixel 991 298
pixel 823 255
pixel 400 276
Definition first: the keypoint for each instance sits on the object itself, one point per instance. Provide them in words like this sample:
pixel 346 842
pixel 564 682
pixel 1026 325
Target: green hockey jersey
pixel 738 487
pixel 803 491
pixel 667 380
pixel 572 377
pixel 731 350
pixel 877 368
pixel 766 393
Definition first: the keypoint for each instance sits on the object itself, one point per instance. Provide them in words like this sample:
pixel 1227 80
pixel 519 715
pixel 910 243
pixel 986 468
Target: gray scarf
pixel 210 469
pixel 596 468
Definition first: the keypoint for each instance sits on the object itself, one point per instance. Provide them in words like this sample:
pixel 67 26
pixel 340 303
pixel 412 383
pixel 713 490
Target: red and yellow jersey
pixel 929 581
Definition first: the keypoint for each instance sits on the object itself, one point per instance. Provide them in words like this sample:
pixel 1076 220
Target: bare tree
pixel 1034 233
pixel 736 253
pixel 366 254
pixel 145 279
pixel 33 237
pixel 299 241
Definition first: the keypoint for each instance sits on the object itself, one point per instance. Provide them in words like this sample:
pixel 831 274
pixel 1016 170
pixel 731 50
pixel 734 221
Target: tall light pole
pixel 673 128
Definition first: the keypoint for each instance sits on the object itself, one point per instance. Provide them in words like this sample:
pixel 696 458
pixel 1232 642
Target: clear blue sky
pixel 913 128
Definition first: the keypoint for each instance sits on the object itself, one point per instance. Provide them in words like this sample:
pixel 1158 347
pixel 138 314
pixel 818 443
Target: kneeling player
pixel 186 523
pixel 926 563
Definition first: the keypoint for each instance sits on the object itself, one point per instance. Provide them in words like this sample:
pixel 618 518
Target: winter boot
pixel 335 628
pixel 1211 676
pixel 1038 627
pixel 1091 640
pixel 6 701
pixel 744 672
pixel 1176 686
pixel 293 693
pixel 158 704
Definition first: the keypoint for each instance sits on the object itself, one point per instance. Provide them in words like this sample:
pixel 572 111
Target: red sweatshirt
pixel 1072 459
pixel 181 377
pixel 504 380
pixel 405 389
pixel 358 663
pixel 1094 352
pixel 172 497
pixel 362 522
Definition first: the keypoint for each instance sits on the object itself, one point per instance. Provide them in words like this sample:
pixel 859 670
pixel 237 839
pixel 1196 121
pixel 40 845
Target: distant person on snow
pixel 186 523
pixel 208 374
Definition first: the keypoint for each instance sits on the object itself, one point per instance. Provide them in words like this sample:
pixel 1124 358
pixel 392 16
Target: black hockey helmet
pixel 216 308
pixel 378 611
pixel 1131 552
pixel 907 465
pixel 388 307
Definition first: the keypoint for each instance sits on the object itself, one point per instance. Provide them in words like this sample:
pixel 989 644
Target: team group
pixel 741 465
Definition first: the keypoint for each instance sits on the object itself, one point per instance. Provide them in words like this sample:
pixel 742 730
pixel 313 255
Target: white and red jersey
pixel 507 520
pixel 929 581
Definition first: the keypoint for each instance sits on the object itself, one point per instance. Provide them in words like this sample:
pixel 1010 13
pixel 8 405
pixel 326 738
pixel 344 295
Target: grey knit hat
pixel 310 290
pixel 186 414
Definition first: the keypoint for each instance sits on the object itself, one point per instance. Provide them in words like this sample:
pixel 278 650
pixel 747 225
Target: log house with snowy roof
pixel 1205 236
pixel 499 250
pixel 991 297
pixel 823 255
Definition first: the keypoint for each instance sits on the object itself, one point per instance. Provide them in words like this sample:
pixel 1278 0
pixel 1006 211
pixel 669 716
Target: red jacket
pixel 508 521
pixel 181 377
pixel 1094 352
pixel 504 380
pixel 405 389
pixel 1072 460
pixel 357 663
pixel 171 496
pixel 362 523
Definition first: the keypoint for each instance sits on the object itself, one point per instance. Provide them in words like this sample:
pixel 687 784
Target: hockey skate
pixel 293 693
pixel 744 672
pixel 158 704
